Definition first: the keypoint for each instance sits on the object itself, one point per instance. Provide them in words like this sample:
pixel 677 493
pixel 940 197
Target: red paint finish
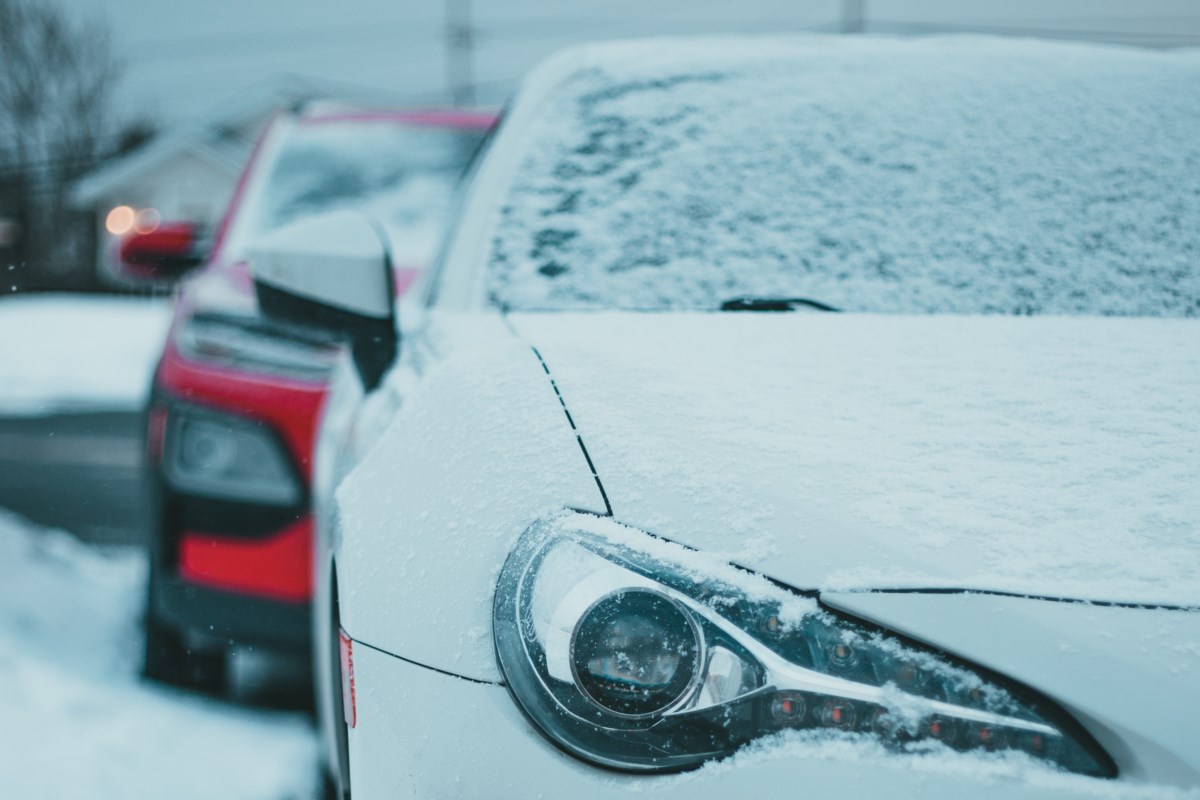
pixel 288 406
pixel 404 278
pixel 144 253
pixel 278 567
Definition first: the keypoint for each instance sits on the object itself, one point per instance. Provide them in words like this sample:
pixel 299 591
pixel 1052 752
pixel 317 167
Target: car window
pixel 432 281
pixel 402 174
pixel 967 177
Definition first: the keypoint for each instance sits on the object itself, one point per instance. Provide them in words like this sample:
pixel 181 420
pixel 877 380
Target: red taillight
pixel 346 647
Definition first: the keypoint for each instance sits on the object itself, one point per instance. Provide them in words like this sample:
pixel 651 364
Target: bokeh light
pixel 120 220
pixel 147 220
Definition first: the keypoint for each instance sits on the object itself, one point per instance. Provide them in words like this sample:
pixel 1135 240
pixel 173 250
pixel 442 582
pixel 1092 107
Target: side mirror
pixel 331 271
pixel 162 254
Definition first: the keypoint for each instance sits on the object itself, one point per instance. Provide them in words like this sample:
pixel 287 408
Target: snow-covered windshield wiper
pixel 775 304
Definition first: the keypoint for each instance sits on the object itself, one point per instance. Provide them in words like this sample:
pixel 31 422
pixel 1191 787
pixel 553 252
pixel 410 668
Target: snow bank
pixel 78 723
pixel 962 174
pixel 65 353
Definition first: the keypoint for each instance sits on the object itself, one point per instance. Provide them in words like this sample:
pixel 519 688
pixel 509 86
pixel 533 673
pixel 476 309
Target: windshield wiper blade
pixel 775 304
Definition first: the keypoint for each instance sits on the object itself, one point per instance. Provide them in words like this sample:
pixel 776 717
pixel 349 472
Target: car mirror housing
pixel 332 271
pixel 163 254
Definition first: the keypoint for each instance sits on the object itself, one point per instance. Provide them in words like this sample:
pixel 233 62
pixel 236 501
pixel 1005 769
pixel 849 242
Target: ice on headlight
pixel 637 653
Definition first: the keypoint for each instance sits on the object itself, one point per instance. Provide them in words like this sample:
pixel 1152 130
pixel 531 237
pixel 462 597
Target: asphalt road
pixel 79 472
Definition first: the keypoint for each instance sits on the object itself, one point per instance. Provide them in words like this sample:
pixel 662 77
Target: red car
pixel 235 399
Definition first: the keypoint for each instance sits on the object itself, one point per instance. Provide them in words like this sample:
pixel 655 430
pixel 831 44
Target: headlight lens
pixel 638 654
pixel 252 344
pixel 228 458
pixel 635 653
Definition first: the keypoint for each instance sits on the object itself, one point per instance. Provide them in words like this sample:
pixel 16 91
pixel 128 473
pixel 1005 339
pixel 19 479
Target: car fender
pixel 479 448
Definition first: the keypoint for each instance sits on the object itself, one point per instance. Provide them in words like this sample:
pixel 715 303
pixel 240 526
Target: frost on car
pixel 964 182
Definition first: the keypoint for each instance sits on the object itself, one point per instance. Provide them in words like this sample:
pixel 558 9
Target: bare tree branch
pixel 57 76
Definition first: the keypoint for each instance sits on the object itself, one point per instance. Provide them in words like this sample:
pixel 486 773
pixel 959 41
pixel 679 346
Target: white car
pixel 633 511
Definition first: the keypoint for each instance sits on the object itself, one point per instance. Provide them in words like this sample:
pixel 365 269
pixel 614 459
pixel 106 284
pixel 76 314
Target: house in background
pixel 186 175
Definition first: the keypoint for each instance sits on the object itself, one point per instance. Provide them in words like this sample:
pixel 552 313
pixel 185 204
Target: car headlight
pixel 228 458
pixel 638 654
pixel 252 344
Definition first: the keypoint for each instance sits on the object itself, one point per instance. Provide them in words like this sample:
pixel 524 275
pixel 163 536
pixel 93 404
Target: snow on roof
pixel 963 174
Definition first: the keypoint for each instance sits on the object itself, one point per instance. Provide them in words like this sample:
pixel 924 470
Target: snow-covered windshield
pixel 401 173
pixel 956 175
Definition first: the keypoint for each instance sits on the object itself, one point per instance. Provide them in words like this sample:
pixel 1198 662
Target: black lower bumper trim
pixel 225 615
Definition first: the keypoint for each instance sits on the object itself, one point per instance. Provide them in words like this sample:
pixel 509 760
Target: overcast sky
pixel 183 56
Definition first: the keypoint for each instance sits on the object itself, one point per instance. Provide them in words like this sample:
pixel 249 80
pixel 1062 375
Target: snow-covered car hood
pixel 1052 457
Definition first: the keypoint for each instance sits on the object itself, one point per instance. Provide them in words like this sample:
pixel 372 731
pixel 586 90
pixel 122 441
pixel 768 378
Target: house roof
pixel 223 138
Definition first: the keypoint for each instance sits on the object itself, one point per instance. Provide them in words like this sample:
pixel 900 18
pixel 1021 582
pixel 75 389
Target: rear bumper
pixel 226 616
pixel 231 569
pixel 275 567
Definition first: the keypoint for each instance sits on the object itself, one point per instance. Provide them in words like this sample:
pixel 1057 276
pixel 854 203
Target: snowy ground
pixel 73 353
pixel 77 722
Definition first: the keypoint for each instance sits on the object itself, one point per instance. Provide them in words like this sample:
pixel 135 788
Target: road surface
pixel 79 472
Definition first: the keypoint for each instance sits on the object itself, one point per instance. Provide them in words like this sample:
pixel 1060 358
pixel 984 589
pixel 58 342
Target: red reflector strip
pixel 346 646
pixel 278 567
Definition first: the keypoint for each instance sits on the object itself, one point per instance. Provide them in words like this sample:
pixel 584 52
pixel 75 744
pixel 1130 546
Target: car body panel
pixel 622 397
pixel 872 451
pixel 580 352
pixel 1128 674
pixel 469 461
pixel 236 564
pixel 423 734
pixel 287 406
pixel 275 564
pixel 832 453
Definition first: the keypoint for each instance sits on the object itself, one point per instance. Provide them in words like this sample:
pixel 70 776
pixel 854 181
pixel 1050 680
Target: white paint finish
pixel 337 259
pixel 1040 455
pixel 1132 675
pixel 478 449
pixel 422 734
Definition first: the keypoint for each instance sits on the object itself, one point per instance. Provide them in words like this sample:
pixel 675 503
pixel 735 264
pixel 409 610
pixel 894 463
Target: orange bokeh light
pixel 120 220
